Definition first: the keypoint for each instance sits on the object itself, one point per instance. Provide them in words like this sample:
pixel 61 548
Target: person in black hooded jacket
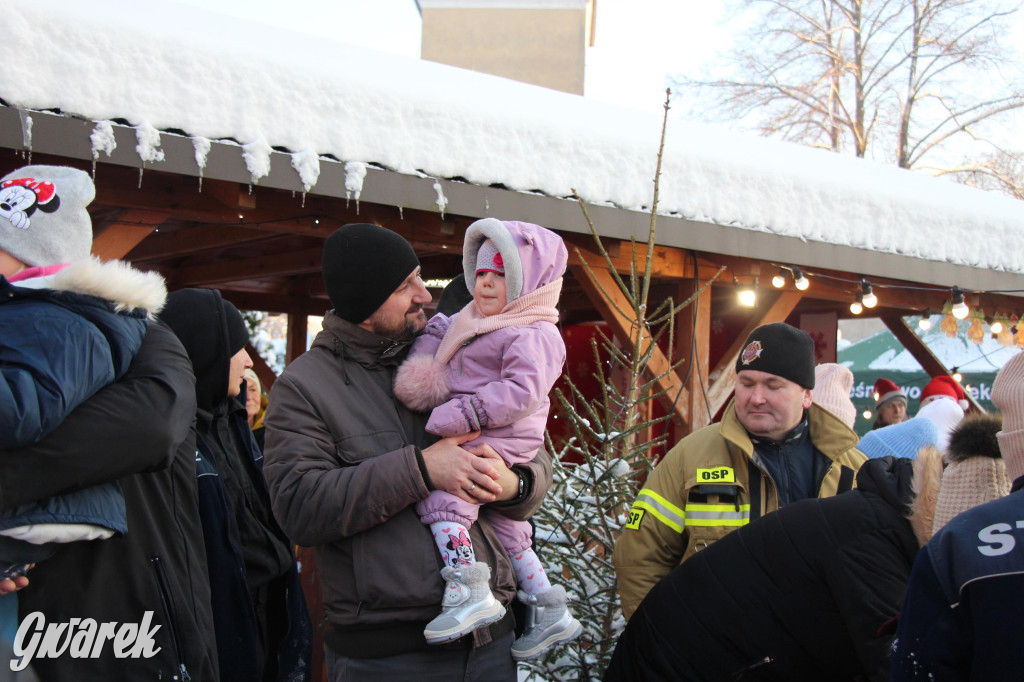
pixel 136 431
pixel 263 628
pixel 802 593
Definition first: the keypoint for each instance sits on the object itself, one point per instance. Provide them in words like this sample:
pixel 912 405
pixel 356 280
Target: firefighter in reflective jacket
pixel 772 447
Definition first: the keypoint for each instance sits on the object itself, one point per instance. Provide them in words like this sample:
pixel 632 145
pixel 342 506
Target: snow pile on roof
pixel 171 66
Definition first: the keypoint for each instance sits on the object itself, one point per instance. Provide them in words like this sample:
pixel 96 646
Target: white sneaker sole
pixel 567 635
pixel 491 614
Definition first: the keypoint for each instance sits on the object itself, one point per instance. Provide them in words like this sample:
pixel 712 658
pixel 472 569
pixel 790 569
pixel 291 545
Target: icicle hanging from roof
pixel 307 164
pixel 103 140
pixel 257 159
pixel 355 173
pixel 442 200
pixel 148 146
pixel 26 132
pixel 201 147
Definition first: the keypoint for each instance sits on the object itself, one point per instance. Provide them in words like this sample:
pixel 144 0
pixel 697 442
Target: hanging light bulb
pixel 868 297
pixel 867 414
pixel 857 307
pixel 996 326
pixel 925 323
pixel 959 309
pixel 779 280
pixel 957 377
pixel 799 280
pixel 748 295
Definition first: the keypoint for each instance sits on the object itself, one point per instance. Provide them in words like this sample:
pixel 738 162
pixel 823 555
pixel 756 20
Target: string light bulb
pixel 799 281
pixel 957 376
pixel 868 297
pixel 867 414
pixel 857 307
pixel 925 323
pixel 959 309
pixel 995 325
pixel 779 280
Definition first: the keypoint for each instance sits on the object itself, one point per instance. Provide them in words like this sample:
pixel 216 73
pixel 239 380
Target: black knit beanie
pixel 212 331
pixel 454 297
pixel 781 350
pixel 363 265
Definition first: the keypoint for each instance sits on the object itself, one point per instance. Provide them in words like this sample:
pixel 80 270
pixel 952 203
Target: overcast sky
pixel 638 42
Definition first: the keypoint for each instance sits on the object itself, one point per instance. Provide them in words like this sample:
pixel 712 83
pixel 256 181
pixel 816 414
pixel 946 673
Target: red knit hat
pixel 885 391
pixel 943 387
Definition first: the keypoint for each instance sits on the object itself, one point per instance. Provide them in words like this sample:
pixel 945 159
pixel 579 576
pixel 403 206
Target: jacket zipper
pixel 462 354
pixel 165 598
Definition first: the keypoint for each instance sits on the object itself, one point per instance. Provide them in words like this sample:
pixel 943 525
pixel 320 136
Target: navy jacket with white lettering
pixel 963 618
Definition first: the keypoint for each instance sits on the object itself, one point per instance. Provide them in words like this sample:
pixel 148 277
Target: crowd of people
pixel 148 480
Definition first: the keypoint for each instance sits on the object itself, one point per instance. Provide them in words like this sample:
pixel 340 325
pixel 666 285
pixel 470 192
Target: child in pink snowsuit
pixel 489 368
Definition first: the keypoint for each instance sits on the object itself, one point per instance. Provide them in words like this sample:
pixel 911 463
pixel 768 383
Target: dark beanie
pixel 781 350
pixel 212 331
pixel 363 265
pixel 454 297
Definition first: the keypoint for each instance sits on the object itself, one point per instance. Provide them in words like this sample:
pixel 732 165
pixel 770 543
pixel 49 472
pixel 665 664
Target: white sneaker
pixel 548 623
pixel 467 604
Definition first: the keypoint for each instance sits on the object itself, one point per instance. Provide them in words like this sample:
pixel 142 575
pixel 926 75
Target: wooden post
pixel 297 324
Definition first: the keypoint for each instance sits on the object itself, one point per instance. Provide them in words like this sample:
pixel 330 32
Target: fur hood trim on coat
pixel 115 281
pixel 975 436
pixel 926 484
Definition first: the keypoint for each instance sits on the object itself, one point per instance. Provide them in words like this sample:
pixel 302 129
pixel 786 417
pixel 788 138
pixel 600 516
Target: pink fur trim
pixel 421 383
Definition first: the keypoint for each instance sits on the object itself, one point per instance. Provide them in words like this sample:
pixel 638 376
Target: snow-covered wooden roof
pixel 170 87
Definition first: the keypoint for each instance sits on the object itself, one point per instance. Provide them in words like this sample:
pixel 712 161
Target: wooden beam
pixel 119 237
pixel 923 354
pixel 725 371
pixel 276 303
pixel 667 262
pixel 608 299
pixel 297 326
pixel 275 265
pixel 692 344
pixel 193 240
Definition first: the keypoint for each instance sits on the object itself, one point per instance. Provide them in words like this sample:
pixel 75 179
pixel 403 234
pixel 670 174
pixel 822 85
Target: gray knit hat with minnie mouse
pixel 43 220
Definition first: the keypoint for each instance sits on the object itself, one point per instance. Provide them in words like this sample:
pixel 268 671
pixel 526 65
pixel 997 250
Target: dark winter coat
pixel 136 431
pixel 63 337
pixel 259 612
pixel 799 594
pixel 344 475
pixel 962 618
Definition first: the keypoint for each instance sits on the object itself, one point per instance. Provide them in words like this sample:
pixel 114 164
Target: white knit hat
pixel 945 414
pixel 43 220
pixel 832 384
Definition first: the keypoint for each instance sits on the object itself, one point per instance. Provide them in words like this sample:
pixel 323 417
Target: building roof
pixel 166 82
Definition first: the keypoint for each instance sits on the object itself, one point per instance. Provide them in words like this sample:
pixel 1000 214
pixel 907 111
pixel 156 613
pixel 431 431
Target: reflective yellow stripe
pixel 663 510
pixel 717 515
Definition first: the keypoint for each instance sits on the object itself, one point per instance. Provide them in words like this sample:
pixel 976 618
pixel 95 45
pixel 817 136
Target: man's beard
pixel 399 329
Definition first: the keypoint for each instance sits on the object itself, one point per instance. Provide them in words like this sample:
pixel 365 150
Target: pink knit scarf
pixel 538 305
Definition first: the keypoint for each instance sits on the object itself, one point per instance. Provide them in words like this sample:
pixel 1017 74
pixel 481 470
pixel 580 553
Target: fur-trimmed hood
pixel 533 256
pixel 125 287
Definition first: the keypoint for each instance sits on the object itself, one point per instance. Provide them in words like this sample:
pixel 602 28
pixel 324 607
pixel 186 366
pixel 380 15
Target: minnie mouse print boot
pixel 467 603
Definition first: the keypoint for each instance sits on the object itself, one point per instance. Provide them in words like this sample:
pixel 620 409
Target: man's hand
pixel 456 471
pixel 507 479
